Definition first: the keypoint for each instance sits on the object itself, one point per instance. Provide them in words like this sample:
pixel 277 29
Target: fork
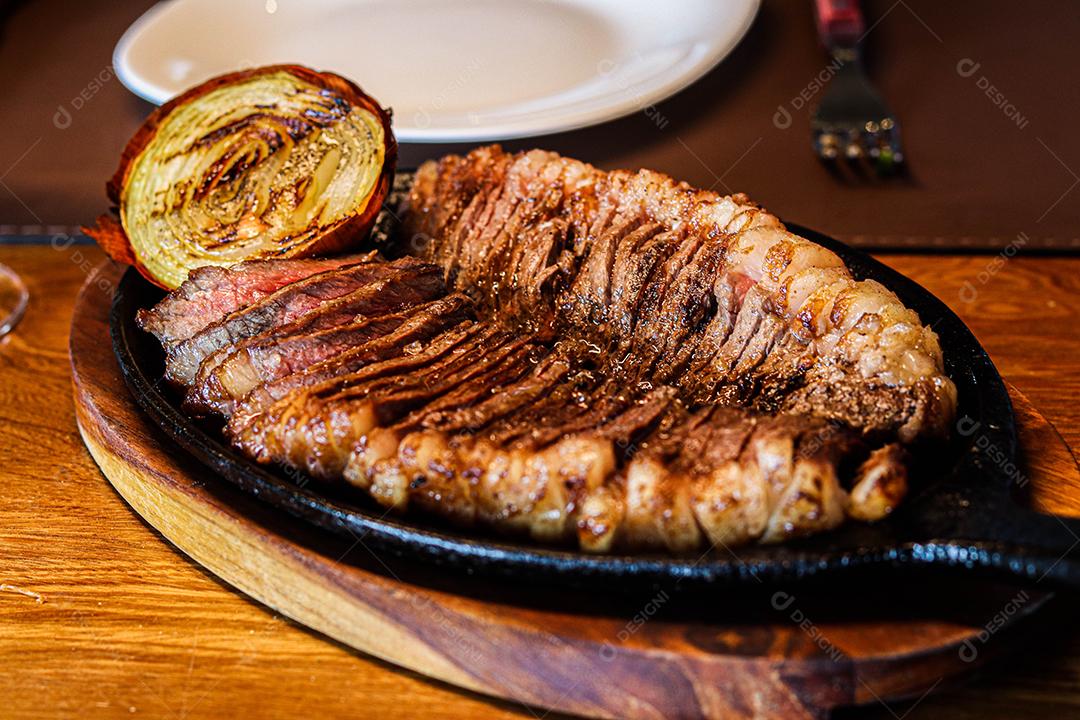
pixel 852 122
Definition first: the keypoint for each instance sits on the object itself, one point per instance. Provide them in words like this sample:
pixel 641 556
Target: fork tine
pixel 826 145
pixel 889 158
pixel 854 149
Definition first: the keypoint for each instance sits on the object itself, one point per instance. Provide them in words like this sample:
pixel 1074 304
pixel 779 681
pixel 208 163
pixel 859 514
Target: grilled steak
pixel 278 309
pixel 698 289
pixel 435 329
pixel 621 362
pixel 335 327
pixel 212 292
pixel 319 435
pixel 266 359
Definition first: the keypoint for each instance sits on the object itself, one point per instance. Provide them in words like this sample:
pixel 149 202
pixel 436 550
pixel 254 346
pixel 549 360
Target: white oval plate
pixel 451 71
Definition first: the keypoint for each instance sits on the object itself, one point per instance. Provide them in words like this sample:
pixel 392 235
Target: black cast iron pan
pixel 962 517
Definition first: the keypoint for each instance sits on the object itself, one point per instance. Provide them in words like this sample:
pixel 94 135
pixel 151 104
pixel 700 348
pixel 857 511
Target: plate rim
pixel 629 103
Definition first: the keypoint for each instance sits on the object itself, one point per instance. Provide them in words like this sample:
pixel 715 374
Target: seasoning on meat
pixel 604 359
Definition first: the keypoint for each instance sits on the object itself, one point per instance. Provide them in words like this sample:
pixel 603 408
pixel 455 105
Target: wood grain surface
pixel 99 617
pixel 763 654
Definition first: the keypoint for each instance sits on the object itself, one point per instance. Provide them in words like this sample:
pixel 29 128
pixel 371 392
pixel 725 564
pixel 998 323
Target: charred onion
pixel 279 161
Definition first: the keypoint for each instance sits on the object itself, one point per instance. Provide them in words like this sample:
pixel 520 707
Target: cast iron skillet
pixel 961 516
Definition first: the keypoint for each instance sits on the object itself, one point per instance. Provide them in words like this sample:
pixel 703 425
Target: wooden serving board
pixel 790 654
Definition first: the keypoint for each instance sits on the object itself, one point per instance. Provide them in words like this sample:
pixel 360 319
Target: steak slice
pixel 333 328
pixel 472 356
pixel 582 394
pixel 593 410
pixel 212 292
pixel 547 374
pixel 441 325
pixel 270 359
pixel 476 390
pixel 638 420
pixel 587 303
pixel 314 429
pixel 277 309
pixel 638 256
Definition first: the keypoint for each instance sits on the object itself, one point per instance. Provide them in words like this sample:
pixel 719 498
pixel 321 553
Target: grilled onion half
pixel 280 161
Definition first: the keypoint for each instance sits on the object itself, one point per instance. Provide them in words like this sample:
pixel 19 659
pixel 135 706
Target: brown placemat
pixel 981 90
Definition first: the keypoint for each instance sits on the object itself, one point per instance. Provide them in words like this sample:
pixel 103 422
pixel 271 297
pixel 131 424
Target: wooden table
pixel 127 626
pixel 100 617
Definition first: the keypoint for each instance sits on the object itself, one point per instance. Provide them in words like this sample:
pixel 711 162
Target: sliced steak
pixel 210 293
pixel 626 363
pixel 314 430
pixel 276 310
pixel 334 327
pixel 270 359
pixel 503 401
pixel 433 331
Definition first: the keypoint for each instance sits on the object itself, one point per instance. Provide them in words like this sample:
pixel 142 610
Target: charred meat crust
pixel 615 361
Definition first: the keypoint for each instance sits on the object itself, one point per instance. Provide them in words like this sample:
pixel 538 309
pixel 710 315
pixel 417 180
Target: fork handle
pixel 840 23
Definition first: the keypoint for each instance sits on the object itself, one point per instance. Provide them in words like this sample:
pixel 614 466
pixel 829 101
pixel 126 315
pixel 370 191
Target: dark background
pixel 976 177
